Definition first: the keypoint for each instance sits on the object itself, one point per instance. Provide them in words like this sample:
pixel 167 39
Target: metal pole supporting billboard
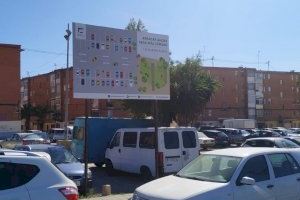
pixel 86 148
pixel 157 167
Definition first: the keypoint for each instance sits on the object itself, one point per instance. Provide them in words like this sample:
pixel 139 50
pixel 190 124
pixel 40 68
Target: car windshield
pixel 43 135
pixel 212 168
pixel 284 143
pixel 245 133
pixel 61 155
pixel 32 137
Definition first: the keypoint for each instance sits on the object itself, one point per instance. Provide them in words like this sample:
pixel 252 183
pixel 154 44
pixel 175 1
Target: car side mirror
pixel 247 181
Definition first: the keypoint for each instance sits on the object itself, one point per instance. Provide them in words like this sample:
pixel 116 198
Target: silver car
pixel 64 160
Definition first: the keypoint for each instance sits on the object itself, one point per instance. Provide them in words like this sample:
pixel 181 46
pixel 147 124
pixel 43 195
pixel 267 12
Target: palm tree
pixel 41 112
pixel 27 111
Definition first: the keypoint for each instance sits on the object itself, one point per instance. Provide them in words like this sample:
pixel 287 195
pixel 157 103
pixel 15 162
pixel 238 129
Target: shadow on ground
pixel 120 183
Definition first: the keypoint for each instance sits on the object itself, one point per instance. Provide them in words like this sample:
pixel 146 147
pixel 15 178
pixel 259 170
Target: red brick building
pixel 270 97
pixel 9 87
pixel 50 90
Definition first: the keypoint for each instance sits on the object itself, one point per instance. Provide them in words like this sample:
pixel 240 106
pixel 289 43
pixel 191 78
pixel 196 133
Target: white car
pixel 133 150
pixel 205 142
pixel 28 176
pixel 231 174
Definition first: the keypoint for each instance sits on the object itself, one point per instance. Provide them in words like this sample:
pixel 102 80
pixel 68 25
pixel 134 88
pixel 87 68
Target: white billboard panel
pixel 113 63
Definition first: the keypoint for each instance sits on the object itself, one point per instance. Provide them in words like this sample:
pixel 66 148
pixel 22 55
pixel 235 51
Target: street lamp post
pixel 67 37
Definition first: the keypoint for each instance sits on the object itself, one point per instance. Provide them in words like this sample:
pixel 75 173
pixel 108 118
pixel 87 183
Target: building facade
pixel 271 98
pixel 49 90
pixel 9 87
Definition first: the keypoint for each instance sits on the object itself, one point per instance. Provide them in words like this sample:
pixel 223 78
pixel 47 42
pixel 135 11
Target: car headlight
pixel 135 196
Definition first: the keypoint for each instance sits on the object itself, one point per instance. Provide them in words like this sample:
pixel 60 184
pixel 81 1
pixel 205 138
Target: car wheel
pixel 146 174
pixel 109 168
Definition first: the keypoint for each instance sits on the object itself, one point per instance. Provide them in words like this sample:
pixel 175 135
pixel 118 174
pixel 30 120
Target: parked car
pixel 293 139
pixel 207 127
pixel 64 161
pixel 253 133
pixel 269 133
pixel 270 142
pixel 57 134
pixel 231 174
pixel 205 142
pixel 235 135
pixel 221 138
pixel 133 150
pixel 45 136
pixel 22 138
pixel 28 176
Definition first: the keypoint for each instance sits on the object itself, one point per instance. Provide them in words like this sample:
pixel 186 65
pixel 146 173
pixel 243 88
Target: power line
pixel 45 52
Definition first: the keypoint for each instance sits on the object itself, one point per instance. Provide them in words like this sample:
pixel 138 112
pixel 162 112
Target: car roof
pixel 159 128
pixel 230 129
pixel 266 138
pixel 41 146
pixel 245 151
pixel 212 131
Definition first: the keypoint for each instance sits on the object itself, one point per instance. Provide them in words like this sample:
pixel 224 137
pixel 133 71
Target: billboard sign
pixel 111 63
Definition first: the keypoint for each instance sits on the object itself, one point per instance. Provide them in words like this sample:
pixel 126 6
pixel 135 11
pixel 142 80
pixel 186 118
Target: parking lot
pixel 122 184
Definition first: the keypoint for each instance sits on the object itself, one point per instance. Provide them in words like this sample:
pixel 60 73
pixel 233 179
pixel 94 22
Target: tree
pixel 41 112
pixel 134 25
pixel 27 111
pixel 190 89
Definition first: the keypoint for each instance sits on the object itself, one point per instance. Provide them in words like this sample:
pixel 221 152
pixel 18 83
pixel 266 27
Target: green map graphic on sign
pixel 153 75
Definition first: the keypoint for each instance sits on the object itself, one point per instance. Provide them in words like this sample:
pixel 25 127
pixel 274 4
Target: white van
pixel 133 150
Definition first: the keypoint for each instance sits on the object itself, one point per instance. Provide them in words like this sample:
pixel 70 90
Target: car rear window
pixel 189 139
pixel 147 140
pixel 13 175
pixel 171 140
pixel 129 139
pixel 259 143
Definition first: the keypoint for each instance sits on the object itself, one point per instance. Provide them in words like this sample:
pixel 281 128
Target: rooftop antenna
pixel 258 57
pixel 268 63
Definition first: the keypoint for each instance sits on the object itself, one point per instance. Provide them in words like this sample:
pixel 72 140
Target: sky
pixel 235 32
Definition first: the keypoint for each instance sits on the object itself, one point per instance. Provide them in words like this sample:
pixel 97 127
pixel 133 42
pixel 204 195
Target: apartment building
pixel 270 97
pixel 50 90
pixel 9 87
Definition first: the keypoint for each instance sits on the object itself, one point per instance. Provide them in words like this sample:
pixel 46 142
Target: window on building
pixel 293 89
pixel 269 88
pixel 292 77
pixel 281 94
pixel 209 113
pixel 297 90
pixel 281 82
pixel 269 76
pixel 269 101
pixel 235 73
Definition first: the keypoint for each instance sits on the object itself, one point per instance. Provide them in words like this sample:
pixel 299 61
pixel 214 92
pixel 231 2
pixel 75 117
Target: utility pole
pixel 212 61
pixel 67 37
